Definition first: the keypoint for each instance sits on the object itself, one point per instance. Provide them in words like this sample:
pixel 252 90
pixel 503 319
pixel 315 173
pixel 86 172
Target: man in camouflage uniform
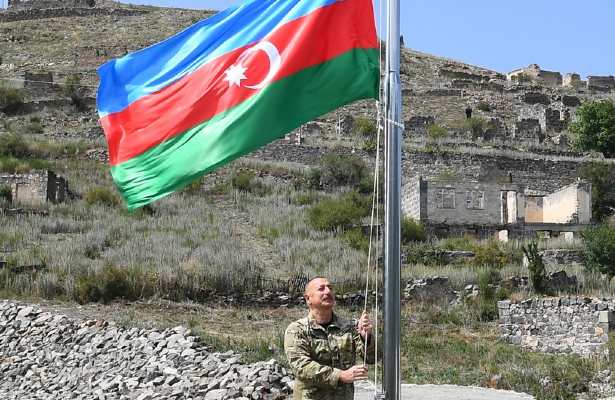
pixel 325 351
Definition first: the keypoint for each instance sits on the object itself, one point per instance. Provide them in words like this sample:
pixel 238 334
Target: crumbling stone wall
pixel 570 204
pixel 36 188
pixel 577 325
pixel 456 202
pixel 543 175
pixel 308 155
pixel 601 83
pixel 37 80
pixel 21 4
pixel 412 194
pixel 38 13
pixel 572 80
pixel 547 78
pixel 529 130
pixel 534 209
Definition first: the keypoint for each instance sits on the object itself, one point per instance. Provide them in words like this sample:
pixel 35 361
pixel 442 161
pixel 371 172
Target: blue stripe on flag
pixel 125 80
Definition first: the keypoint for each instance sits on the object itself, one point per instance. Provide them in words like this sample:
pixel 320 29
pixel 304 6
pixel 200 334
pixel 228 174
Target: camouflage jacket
pixel 318 355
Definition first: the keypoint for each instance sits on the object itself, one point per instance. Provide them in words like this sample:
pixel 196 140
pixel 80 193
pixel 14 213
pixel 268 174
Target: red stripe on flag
pixel 307 41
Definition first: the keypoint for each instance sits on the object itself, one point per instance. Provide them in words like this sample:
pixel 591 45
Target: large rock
pixel 436 289
pixel 560 281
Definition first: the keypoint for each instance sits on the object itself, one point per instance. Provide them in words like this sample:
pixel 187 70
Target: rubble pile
pixel 48 356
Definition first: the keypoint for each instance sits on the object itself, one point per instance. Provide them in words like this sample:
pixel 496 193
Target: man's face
pixel 319 294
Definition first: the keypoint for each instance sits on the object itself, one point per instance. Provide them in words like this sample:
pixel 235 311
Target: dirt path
pixel 445 392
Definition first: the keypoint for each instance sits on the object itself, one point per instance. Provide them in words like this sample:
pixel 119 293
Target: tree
pixel 412 231
pixel 594 129
pixel 602 177
pixel 536 267
pixel 11 100
pixel 365 127
pixel 599 243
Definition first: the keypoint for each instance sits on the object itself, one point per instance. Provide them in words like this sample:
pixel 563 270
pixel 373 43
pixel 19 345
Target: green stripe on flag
pixel 278 109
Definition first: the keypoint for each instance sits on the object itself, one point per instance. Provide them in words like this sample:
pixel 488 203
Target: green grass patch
pixel 431 355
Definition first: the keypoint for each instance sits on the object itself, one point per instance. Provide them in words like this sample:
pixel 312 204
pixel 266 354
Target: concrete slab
pixel 443 392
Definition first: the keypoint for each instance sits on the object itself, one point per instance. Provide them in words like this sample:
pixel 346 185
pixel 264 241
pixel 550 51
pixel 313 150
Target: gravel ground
pixel 445 392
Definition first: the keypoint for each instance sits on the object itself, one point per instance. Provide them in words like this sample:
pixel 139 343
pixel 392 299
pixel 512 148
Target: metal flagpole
pixel 392 276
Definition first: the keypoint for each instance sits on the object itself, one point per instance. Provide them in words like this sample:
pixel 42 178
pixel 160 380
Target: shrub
pixel 602 177
pixel 194 187
pixel 366 185
pixel 305 199
pixel 11 100
pixel 312 178
pixel 13 145
pixel 594 129
pixel 475 125
pixel 242 181
pixel 356 239
pixel 101 195
pixel 86 290
pixel 435 131
pixel 489 294
pixel 114 284
pixel 412 231
pixel 484 106
pixel 110 284
pixel 365 127
pixel 599 249
pixel 343 213
pixel 339 170
pixel 34 127
pixel 424 253
pixel 6 195
pixel 489 254
pixel 536 267
pixel 369 145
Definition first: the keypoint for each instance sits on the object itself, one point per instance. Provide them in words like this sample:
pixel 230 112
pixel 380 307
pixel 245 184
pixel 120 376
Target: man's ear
pixel 306 298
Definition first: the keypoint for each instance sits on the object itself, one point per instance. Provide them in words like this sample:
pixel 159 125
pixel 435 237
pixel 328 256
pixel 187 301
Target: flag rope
pixel 375 216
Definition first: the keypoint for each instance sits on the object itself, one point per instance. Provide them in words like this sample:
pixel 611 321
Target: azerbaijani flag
pixel 229 85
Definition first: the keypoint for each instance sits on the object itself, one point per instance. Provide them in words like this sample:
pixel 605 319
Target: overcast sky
pixel 559 35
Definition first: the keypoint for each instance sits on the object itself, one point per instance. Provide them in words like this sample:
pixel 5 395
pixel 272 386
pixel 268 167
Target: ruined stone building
pixel 486 208
pixel 533 71
pixel 570 80
pixel 36 188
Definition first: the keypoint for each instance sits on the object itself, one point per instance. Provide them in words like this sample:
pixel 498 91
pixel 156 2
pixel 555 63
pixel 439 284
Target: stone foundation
pixel 36 188
pixel 577 325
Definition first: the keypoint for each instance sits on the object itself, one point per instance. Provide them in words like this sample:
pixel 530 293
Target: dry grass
pixel 193 246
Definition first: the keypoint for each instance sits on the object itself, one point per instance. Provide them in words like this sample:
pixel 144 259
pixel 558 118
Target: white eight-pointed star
pixel 235 74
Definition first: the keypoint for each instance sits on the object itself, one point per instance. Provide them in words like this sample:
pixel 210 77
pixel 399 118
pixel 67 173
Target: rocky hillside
pixel 46 44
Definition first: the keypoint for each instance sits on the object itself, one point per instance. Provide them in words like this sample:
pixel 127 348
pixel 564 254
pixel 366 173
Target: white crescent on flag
pixel 236 72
